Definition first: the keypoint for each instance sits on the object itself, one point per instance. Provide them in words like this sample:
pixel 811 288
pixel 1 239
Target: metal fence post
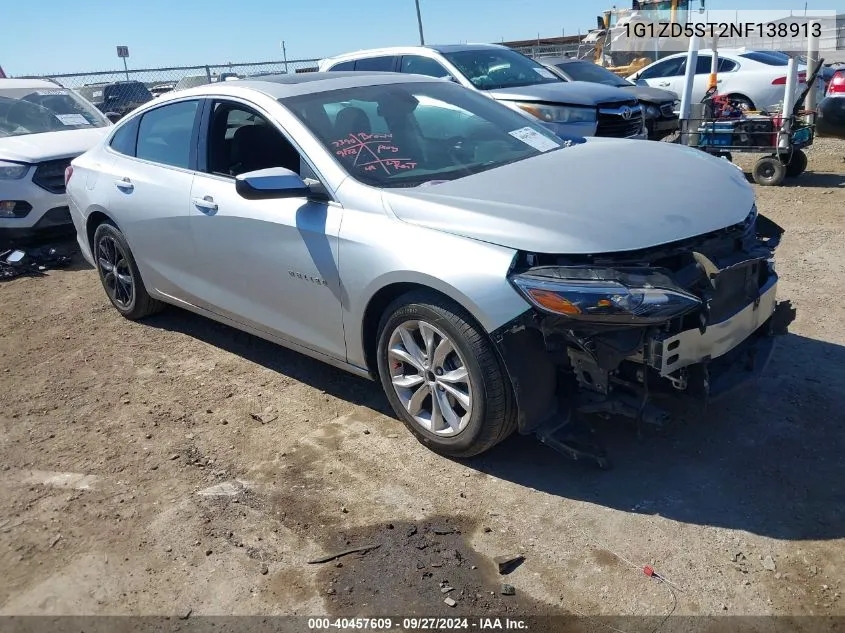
pixel 208 74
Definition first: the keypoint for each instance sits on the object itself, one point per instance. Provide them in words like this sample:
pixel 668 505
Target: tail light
pixel 837 83
pixel 68 174
pixel 781 81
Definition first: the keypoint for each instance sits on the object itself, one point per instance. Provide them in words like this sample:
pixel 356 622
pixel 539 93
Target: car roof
pixel 404 50
pixel 290 85
pixel 28 83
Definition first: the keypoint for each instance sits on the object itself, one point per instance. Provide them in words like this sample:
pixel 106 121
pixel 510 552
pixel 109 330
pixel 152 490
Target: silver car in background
pixel 418 233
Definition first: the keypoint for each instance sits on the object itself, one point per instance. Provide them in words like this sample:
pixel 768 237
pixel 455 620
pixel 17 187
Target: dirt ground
pixel 178 467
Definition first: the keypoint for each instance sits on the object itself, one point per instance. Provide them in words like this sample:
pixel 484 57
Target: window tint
pixel 125 137
pixel 164 134
pixel 419 65
pixel 705 62
pixel 343 66
pixel 241 140
pixel 666 68
pixel 386 64
pixel 772 58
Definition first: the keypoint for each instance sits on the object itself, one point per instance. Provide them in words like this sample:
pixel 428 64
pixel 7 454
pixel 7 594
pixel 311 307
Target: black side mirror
pixel 276 182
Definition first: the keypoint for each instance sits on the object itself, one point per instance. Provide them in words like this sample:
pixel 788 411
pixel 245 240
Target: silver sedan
pixel 421 234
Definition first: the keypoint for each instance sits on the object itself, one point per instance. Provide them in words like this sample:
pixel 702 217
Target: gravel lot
pixel 178 466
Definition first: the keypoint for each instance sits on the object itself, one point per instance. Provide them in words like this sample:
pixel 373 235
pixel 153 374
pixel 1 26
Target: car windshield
pixel 37 110
pixel 407 134
pixel 490 69
pixel 588 71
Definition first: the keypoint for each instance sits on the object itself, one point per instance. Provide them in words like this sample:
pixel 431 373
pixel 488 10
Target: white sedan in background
pixel 755 79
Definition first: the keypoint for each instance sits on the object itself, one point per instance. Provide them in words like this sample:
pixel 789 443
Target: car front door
pixel 269 264
pixel 150 186
pixel 667 74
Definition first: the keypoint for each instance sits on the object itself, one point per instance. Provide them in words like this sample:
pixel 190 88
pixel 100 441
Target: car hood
pixel 34 148
pixel 650 95
pixel 601 196
pixel 566 92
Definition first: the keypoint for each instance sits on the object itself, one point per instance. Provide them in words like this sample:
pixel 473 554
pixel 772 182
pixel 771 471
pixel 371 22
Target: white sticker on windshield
pixel 73 119
pixel 547 74
pixel 534 139
pixel 46 93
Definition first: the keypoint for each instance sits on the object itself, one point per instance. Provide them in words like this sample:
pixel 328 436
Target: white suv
pixel 42 128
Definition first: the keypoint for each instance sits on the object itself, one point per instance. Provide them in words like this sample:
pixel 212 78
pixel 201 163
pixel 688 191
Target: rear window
pixel 343 66
pixel 770 58
pixel 377 64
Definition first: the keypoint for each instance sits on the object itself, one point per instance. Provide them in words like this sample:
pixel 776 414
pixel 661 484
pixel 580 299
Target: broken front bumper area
pixel 563 368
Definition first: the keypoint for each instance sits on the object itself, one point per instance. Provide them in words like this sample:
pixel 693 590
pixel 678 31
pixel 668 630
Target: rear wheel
pixel 442 376
pixel 796 164
pixel 119 274
pixel 742 102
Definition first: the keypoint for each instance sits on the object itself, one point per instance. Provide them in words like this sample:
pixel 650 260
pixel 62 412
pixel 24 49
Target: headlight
pixel 627 296
pixel 652 111
pixel 558 114
pixel 12 171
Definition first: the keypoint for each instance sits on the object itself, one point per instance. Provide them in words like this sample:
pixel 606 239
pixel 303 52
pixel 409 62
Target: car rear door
pixel 150 186
pixel 269 264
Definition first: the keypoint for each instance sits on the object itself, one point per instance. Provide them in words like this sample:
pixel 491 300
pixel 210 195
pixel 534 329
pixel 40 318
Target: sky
pixel 57 36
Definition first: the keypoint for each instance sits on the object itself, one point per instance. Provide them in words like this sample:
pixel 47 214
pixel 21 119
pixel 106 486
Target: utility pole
pixel 419 23
pixel 285 56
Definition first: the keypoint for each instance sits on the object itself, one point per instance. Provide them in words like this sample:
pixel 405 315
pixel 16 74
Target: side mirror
pixel 274 182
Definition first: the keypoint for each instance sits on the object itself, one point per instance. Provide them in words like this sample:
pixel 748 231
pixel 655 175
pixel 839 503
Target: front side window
pixel 37 110
pixel 242 140
pixel 667 68
pixel 419 65
pixel 490 69
pixel 164 134
pixel 404 135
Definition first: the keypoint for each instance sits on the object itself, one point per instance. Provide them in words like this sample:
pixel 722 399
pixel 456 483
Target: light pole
pixel 419 23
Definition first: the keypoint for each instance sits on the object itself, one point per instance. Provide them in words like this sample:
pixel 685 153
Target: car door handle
pixel 207 203
pixel 664 83
pixel 124 184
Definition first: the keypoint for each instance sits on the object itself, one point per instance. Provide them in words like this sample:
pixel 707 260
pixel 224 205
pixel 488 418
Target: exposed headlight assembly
pixel 634 296
pixel 12 171
pixel 652 111
pixel 558 114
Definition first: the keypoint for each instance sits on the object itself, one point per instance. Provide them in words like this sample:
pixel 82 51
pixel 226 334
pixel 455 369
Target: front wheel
pixel 442 376
pixel 769 171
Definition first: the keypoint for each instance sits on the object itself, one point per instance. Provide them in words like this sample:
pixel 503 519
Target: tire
pixel 742 102
pixel 491 416
pixel 796 164
pixel 125 289
pixel 769 172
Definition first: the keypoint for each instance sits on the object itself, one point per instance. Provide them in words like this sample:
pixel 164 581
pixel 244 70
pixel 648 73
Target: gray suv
pixel 567 108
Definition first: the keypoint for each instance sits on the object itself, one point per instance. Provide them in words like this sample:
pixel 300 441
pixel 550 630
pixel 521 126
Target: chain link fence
pixel 160 80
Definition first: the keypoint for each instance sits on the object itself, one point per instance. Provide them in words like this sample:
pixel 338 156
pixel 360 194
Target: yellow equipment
pixel 613 24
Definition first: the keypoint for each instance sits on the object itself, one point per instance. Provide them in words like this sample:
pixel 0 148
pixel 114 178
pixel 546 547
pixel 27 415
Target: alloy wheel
pixel 430 378
pixel 115 271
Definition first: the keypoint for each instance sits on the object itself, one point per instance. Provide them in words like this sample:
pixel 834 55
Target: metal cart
pixel 783 139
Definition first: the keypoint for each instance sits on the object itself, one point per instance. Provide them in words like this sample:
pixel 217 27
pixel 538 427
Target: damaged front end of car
pixel 621 333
